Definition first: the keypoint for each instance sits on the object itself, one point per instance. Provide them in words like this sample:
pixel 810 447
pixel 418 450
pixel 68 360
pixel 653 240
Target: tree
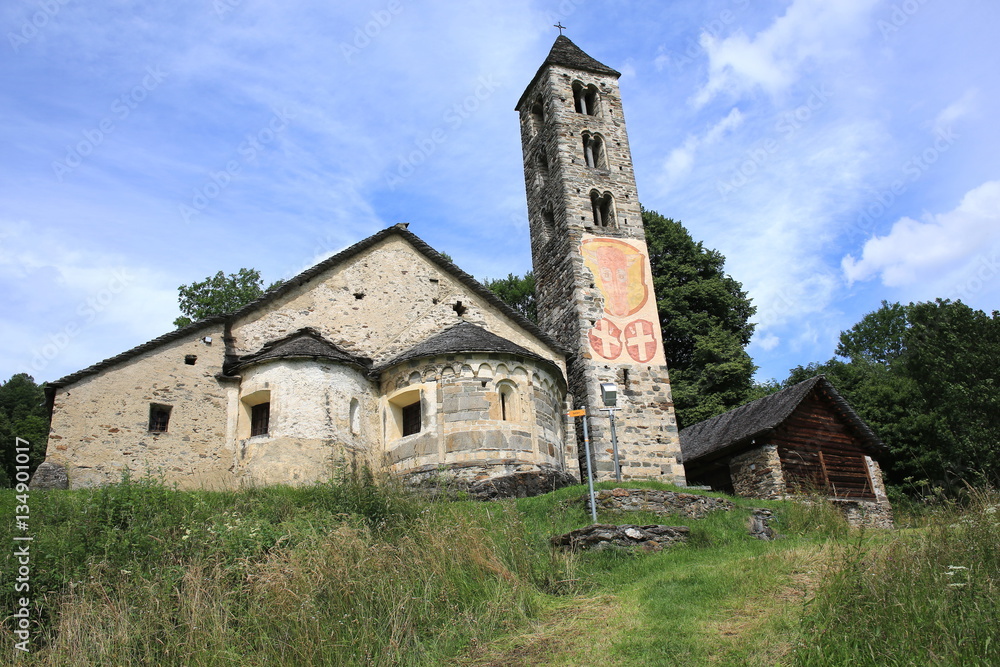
pixel 518 292
pixel 22 415
pixel 926 377
pixel 705 320
pixel 218 295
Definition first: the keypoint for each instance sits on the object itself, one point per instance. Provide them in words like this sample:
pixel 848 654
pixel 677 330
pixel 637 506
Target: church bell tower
pixel 591 264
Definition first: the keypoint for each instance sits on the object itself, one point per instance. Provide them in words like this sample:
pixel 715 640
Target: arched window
pixel 594 153
pixel 536 117
pixel 603 207
pixel 549 220
pixel 586 99
pixel 355 416
pixel 541 169
pixel 507 399
pixel 256 417
pixel 407 418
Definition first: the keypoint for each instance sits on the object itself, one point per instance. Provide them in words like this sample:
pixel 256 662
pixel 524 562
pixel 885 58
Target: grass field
pixel 359 573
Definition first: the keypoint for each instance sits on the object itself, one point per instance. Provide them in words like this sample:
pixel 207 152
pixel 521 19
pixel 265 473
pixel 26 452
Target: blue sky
pixel 837 153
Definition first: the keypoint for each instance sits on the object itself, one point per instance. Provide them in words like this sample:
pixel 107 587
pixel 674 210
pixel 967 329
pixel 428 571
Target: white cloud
pixel 77 306
pixel 768 342
pixel 680 161
pixel 915 250
pixel 773 58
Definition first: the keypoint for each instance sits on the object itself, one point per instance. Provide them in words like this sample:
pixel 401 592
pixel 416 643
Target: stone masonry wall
pixel 310 430
pixel 100 425
pixel 691 505
pixel 461 421
pixel 379 304
pixel 558 185
pixel 757 473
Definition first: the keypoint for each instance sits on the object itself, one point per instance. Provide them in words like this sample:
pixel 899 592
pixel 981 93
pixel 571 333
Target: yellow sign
pixel 577 413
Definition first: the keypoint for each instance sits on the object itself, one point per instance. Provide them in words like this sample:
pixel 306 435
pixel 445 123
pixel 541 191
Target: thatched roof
pixel 729 432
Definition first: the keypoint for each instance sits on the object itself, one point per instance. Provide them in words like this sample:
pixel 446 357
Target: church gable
pixel 379 300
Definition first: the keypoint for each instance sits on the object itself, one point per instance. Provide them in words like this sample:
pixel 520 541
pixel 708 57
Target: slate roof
pixel 725 433
pixel 399 230
pixel 305 343
pixel 567 54
pixel 465 337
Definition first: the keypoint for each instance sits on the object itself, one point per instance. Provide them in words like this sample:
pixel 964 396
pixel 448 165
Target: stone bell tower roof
pixel 567 54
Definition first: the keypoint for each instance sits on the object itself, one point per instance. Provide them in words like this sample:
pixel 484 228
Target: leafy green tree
pixel 219 294
pixel 926 377
pixel 705 319
pixel 22 415
pixel 518 292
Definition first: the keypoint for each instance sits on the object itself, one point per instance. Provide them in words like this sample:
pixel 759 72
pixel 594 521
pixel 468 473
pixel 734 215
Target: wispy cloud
pixel 774 58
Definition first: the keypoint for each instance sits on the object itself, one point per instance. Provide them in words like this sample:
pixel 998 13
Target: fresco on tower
pixel 629 331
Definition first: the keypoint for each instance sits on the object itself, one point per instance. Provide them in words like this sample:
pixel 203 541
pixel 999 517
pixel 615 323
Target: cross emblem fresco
pixel 628 330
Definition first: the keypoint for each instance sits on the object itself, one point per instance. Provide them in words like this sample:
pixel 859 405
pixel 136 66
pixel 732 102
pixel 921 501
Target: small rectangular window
pixel 260 416
pixel 411 418
pixel 159 417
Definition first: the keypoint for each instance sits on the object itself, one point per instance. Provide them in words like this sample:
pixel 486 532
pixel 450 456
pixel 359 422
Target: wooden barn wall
pixel 820 452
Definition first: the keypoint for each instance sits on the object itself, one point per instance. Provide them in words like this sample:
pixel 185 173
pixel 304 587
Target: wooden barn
pixel 803 439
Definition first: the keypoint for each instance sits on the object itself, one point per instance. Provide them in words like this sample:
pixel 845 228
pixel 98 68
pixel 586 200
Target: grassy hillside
pixel 357 572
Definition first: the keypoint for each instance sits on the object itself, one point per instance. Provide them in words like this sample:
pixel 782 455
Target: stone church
pixel 390 355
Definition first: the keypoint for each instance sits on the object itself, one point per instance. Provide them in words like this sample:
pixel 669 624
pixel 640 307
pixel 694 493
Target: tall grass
pixel 925 598
pixel 352 572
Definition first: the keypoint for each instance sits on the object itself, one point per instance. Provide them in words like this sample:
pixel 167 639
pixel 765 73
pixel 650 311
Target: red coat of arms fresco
pixel 630 324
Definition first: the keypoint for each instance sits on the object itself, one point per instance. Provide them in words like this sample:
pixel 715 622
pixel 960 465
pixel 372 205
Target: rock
pixel 690 505
pixel 601 536
pixel 760 524
pixel 49 476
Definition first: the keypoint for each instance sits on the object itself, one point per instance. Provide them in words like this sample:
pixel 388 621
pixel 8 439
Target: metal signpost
pixel 609 394
pixel 582 412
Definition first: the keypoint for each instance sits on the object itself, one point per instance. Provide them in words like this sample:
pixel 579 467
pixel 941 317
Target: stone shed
pixel 803 439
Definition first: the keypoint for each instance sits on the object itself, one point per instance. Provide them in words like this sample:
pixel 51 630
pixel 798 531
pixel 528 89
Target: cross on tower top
pixel 560 26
